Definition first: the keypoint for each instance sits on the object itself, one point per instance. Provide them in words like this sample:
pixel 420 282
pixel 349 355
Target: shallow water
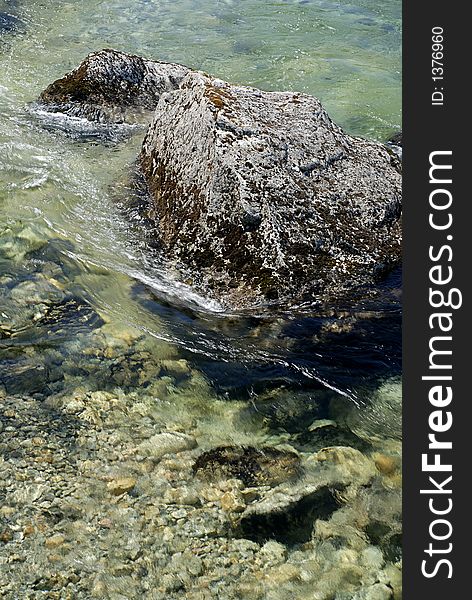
pixel 85 304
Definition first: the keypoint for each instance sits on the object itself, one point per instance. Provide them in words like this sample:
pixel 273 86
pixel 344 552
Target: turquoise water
pixel 345 53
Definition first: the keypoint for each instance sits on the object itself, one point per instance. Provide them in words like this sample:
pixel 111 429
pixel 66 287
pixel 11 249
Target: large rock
pixel 260 197
pixel 112 87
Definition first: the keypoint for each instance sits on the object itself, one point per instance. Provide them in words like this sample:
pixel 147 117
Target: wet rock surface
pixel 112 87
pixel 259 197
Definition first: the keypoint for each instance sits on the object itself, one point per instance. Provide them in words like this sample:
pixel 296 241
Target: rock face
pixel 112 87
pixel 260 197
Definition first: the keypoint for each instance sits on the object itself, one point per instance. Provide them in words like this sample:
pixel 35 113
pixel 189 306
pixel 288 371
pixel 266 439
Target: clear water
pixel 89 317
pixel 63 189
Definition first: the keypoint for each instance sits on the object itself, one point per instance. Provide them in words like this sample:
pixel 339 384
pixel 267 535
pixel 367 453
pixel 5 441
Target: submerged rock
pixel 260 197
pixel 267 466
pixel 112 87
pixel 168 442
pixel 381 418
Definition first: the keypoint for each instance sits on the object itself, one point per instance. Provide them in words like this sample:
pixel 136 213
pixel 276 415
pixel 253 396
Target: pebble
pixel 232 502
pixel 55 541
pixel 387 465
pixel 120 486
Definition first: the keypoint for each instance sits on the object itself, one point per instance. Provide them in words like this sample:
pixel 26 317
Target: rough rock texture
pixel 267 466
pixel 260 197
pixel 112 87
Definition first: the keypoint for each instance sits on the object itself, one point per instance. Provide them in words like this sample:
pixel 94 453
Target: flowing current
pixel 61 184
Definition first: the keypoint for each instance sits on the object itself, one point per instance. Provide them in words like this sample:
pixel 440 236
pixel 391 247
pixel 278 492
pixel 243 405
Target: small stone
pixel 176 367
pixel 284 573
pixel 105 523
pixel 55 541
pixel 6 535
pixel 98 588
pixel 38 441
pixel 274 551
pixel 194 566
pixel 171 582
pixel 322 423
pixel 232 502
pixel 120 486
pixel 7 511
pixel 54 558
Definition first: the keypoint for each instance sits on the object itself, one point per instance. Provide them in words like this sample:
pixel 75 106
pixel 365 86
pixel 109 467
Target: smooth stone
pixel 55 541
pixel 122 485
pixel 169 442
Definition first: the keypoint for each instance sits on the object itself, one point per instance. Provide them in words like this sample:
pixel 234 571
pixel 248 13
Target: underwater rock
pixel 168 442
pixel 112 87
pixel 260 197
pixel 73 314
pixel 121 485
pixel 288 515
pixel 265 466
pixel 343 465
pixel 381 418
pixel 20 375
pixel 287 409
pixel 325 433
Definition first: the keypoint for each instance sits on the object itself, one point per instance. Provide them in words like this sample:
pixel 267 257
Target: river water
pixel 85 305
